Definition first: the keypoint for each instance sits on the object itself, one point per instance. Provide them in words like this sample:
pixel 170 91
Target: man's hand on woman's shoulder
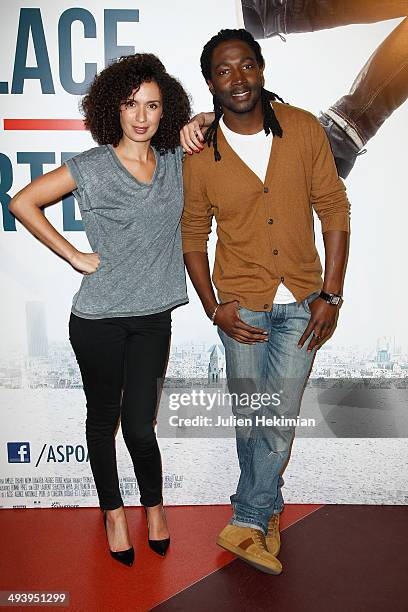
pixel 192 134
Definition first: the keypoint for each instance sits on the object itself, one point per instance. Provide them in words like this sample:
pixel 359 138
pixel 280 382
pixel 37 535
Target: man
pixel 271 317
pixel 381 85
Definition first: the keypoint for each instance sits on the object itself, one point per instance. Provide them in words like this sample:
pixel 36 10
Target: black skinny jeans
pixel 122 360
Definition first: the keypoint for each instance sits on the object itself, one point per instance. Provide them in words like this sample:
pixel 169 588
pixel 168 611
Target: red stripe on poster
pixel 44 124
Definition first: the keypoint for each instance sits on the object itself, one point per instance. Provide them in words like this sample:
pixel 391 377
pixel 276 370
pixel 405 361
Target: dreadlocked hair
pixel 210 136
pixel 271 123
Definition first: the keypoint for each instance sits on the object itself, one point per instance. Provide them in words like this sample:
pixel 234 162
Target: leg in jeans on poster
pixel 380 87
pixel 115 356
pixel 277 366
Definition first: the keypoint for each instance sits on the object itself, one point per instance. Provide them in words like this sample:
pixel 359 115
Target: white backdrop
pixel 43 457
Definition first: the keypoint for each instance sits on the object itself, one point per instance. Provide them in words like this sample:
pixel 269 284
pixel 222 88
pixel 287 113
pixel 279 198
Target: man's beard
pixel 238 107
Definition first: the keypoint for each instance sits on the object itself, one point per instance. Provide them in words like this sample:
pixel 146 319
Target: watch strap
pixel 331 298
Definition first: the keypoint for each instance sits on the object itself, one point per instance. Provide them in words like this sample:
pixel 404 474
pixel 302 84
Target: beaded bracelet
pixel 213 314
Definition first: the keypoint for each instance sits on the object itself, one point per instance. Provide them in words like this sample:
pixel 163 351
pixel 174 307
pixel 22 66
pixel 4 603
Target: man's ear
pixel 211 87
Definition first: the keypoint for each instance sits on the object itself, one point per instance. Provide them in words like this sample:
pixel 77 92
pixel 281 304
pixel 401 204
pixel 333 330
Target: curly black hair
pixel 114 85
pixel 271 124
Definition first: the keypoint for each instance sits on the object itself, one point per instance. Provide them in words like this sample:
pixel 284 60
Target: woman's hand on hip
pixel 87 263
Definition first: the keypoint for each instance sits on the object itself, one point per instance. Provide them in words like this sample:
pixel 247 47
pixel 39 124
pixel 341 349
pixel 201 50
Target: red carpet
pixel 66 549
pixel 337 559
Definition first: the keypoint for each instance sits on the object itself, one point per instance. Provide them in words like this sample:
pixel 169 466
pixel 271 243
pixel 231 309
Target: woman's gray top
pixel 135 228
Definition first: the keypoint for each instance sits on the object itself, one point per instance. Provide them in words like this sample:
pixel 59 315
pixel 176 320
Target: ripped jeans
pixel 279 370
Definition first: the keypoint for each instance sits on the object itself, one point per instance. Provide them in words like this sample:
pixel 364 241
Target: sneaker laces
pixel 273 524
pixel 258 537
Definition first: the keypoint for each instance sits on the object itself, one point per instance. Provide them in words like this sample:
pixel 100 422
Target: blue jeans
pixel 273 367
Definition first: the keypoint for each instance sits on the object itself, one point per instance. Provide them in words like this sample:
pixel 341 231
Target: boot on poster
pixel 380 87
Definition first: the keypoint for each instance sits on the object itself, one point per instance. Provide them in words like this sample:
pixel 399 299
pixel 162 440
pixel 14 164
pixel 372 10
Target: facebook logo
pixel 18 452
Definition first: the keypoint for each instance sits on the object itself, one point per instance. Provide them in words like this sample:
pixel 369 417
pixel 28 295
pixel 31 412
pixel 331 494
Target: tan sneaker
pixel 273 541
pixel 250 546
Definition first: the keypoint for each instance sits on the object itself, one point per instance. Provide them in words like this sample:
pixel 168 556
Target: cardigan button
pixel 266 306
pixel 266 189
pixel 275 251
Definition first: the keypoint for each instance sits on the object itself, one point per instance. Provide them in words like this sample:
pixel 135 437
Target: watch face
pixel 335 299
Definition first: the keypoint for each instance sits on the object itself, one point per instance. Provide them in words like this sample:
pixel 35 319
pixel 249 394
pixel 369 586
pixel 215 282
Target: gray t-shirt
pixel 135 228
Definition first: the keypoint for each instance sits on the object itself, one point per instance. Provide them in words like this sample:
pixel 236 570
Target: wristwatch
pixel 331 298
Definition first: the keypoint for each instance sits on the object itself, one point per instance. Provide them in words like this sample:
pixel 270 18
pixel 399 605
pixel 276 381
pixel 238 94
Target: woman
pixel 129 190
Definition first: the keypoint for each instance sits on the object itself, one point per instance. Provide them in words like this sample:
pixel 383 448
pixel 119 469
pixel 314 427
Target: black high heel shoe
pixel 159 546
pixel 123 556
